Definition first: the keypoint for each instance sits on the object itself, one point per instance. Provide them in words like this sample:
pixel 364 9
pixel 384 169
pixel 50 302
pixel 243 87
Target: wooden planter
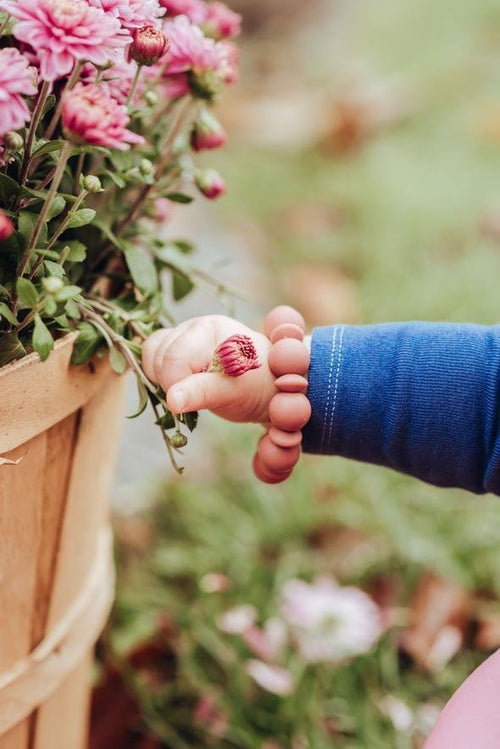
pixel 56 569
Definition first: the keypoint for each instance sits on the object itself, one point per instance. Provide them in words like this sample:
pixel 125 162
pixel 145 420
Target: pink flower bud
pixel 149 44
pixel 210 183
pixel 235 356
pixel 6 227
pixel 207 133
pixel 221 22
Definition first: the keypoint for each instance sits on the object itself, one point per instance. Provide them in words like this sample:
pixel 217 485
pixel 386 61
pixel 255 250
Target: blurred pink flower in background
pixel 90 115
pixel 6 227
pixel 237 620
pixel 193 9
pixel 213 582
pixel 221 22
pixel 64 32
pixel 210 717
pixel 269 642
pixel 17 79
pixel 131 13
pixel 190 49
pixel 271 678
pixel 330 622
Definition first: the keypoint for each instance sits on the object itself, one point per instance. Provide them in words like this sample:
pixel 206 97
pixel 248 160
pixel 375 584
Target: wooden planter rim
pixel 35 395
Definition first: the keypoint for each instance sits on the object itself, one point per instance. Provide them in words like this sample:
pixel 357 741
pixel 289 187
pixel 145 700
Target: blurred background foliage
pixel 364 186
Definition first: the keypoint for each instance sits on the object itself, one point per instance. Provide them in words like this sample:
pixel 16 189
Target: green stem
pixel 65 152
pixel 135 83
pixel 35 119
pixel 73 79
pixel 62 226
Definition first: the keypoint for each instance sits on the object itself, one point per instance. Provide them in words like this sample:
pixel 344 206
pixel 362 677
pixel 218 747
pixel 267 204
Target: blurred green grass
pixel 414 197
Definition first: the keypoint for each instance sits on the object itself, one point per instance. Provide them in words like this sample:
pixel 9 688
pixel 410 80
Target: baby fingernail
pixel 179 399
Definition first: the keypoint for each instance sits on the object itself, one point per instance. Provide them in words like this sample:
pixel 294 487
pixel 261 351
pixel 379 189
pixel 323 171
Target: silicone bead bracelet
pixel 289 411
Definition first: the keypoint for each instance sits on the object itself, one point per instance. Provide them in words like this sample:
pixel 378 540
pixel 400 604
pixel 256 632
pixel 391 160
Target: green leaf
pixel 48 147
pixel 77 251
pixel 181 285
pixel 56 207
pixel 10 348
pixel 54 268
pixel 81 218
pixel 27 221
pixel 166 421
pixel 87 343
pixel 68 292
pixel 72 310
pixel 50 306
pixel 116 178
pixel 142 269
pixel 117 360
pixel 42 340
pixel 190 420
pixel 143 400
pixel 184 247
pixel 27 294
pixel 7 314
pixel 8 189
pixel 49 104
pixel 179 197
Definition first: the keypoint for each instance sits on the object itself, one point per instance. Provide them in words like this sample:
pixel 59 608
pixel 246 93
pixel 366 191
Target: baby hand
pixel 177 359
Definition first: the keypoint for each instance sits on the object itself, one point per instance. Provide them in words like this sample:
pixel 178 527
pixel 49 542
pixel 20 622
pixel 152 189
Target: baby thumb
pixel 206 390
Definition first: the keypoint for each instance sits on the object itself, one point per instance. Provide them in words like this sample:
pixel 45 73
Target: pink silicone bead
pixel 289 411
pixel 280 316
pixel 278 459
pixel 287 330
pixel 289 356
pixel 291 383
pixel 268 477
pixel 285 439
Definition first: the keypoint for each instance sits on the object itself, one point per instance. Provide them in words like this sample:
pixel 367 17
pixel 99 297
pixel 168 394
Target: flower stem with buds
pixel 35 119
pixel 134 85
pixel 72 81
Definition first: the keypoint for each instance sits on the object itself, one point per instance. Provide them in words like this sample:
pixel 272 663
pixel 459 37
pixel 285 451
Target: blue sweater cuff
pixel 421 398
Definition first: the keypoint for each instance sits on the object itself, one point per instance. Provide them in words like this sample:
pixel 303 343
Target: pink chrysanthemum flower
pixel 132 14
pixel 195 10
pixel 90 115
pixel 190 50
pixel 17 79
pixel 204 63
pixel 221 22
pixel 63 32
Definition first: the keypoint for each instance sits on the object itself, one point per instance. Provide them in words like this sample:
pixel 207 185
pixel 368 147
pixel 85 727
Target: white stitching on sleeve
pixel 329 387
pixel 339 362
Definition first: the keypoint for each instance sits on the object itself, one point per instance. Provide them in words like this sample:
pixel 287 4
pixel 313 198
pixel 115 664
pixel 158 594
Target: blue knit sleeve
pixel 421 398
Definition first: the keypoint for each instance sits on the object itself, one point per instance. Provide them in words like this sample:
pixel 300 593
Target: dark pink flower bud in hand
pixel 149 45
pixel 6 227
pixel 235 356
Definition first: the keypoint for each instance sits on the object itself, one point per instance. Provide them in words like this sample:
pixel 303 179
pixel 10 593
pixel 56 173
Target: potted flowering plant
pixel 103 106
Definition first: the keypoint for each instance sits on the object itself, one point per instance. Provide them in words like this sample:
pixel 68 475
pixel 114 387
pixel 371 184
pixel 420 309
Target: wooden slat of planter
pixel 20 511
pixel 68 709
pixel 87 507
pixel 17 737
pixel 36 395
